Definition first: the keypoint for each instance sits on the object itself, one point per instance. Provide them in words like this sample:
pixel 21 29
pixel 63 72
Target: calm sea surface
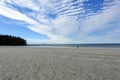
pixel 75 45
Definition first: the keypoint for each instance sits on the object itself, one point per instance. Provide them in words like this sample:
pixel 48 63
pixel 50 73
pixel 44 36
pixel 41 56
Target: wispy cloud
pixel 66 21
pixel 13 14
pixel 101 20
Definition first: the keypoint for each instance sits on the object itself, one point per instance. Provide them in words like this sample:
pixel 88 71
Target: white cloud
pixel 52 37
pixel 101 20
pixel 23 3
pixel 109 37
pixel 68 8
pixel 13 14
pixel 65 25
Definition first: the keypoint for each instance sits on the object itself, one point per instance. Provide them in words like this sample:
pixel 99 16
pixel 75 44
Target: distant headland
pixel 12 40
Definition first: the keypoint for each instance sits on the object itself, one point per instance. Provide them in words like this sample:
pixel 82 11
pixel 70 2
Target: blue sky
pixel 61 21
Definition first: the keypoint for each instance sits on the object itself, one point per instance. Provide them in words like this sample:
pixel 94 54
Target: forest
pixel 12 40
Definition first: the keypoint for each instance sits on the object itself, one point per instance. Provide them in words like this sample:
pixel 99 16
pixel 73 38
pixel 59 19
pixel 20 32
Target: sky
pixel 61 21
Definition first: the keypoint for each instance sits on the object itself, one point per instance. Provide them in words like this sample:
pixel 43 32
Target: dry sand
pixel 19 63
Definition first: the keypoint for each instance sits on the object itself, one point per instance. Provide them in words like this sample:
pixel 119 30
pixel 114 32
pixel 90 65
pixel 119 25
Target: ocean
pixel 74 45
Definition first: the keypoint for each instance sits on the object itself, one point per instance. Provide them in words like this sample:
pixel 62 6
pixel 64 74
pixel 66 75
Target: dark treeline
pixel 11 40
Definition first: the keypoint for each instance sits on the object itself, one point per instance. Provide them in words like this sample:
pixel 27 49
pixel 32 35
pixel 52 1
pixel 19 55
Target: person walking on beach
pixel 77 45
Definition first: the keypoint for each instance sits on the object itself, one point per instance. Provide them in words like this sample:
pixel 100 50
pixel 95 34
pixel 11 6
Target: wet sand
pixel 20 63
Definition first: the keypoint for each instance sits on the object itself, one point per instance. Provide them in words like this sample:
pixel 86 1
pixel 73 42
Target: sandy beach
pixel 27 63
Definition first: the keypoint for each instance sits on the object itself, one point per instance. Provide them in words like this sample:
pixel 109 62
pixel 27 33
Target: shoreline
pixel 30 46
